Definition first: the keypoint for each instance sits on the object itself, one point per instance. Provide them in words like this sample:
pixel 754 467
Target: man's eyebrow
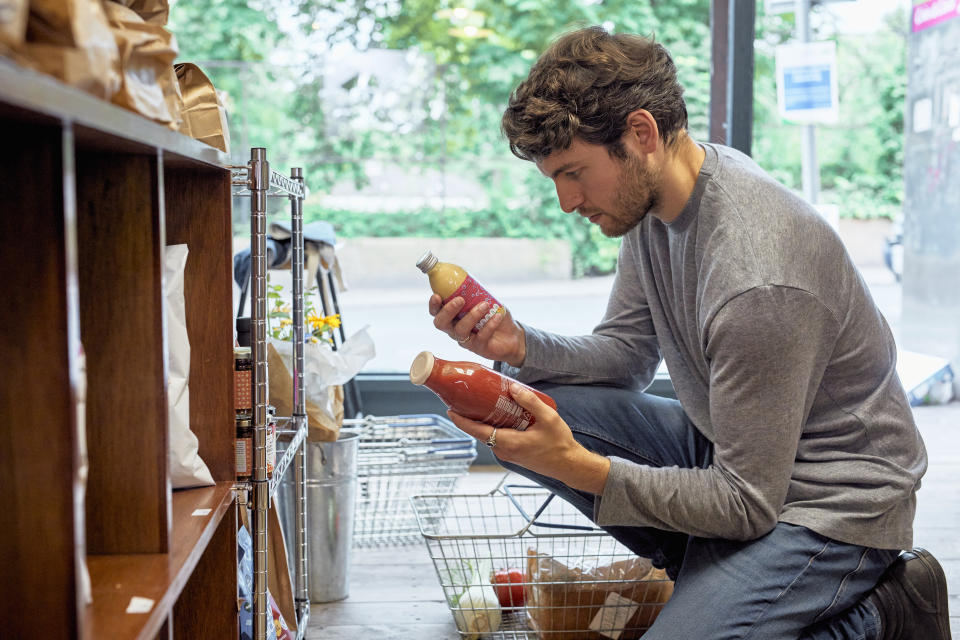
pixel 562 168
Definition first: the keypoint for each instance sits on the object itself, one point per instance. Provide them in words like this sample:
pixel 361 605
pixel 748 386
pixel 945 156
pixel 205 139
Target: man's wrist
pixel 587 471
pixel 521 354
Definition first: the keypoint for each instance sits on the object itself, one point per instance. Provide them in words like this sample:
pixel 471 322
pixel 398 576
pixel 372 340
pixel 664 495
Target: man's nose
pixel 570 197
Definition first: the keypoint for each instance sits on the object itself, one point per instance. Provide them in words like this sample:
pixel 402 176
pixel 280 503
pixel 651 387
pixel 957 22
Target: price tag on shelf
pixel 139 605
pixel 201 512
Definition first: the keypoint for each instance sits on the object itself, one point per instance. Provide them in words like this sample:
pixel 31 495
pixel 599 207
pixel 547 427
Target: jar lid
pixel 421 368
pixel 240 353
pixel 245 421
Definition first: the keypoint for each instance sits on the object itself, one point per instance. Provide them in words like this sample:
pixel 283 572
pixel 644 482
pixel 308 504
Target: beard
pixel 637 195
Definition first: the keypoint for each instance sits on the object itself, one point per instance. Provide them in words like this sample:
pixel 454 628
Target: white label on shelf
pixel 139 605
pixel 613 616
pixel 201 512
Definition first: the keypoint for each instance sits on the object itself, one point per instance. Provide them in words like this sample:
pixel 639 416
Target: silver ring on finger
pixel 492 440
pixel 463 341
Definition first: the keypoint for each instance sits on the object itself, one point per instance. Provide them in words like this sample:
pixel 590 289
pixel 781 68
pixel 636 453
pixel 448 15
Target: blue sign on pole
pixel 807 82
pixel 807 88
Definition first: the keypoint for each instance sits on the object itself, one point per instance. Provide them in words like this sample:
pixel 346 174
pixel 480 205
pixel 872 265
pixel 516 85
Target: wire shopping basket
pixel 398 457
pixel 521 563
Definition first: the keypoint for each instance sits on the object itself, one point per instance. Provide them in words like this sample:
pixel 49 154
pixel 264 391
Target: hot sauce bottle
pixel 450 280
pixel 474 391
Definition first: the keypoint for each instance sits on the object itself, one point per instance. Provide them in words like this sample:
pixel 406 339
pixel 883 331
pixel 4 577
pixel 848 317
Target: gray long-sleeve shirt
pixel 779 357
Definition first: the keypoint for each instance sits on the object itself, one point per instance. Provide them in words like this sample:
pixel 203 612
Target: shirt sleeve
pixel 621 351
pixel 767 350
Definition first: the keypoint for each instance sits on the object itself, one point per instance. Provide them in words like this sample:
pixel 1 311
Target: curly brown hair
pixel 585 85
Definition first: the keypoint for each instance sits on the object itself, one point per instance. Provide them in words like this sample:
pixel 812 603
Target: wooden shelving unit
pixel 91 194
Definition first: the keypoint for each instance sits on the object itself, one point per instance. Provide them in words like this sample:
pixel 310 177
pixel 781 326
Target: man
pixel 780 489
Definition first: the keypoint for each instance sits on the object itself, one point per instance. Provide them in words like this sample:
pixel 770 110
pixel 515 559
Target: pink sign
pixel 934 12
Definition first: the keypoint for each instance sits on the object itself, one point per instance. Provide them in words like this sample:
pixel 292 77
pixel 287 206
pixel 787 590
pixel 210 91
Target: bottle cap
pixel 426 261
pixel 421 368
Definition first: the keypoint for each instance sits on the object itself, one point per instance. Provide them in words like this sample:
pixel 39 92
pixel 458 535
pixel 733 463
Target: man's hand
pixel 499 339
pixel 546 447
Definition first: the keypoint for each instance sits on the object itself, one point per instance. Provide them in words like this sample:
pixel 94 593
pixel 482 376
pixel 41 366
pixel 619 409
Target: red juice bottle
pixel 474 391
pixel 449 281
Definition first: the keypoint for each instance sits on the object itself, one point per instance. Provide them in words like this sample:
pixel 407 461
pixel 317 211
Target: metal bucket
pixel 331 488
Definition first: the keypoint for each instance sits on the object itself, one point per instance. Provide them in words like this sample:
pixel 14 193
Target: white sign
pixel 807 82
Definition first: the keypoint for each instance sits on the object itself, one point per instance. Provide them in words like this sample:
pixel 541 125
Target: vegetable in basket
pixel 474 603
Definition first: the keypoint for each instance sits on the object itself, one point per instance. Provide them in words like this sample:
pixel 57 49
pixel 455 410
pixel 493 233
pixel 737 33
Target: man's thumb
pixel 527 399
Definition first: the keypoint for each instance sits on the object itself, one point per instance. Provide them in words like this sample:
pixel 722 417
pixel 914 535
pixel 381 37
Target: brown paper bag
pixel 146 63
pixel 203 113
pixel 322 427
pixel 71 40
pixel 154 12
pixel 278 573
pixel 13 22
pixel 567 602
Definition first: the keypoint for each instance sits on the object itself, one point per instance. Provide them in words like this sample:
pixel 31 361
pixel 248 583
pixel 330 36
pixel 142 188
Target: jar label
pixel 244 450
pixel 473 294
pixel 242 399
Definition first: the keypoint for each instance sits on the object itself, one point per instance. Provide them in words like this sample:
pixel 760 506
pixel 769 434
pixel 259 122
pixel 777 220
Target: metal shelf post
pixel 261 183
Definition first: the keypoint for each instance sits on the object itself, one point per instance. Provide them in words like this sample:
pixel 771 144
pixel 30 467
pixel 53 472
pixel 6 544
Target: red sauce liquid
pixel 479 393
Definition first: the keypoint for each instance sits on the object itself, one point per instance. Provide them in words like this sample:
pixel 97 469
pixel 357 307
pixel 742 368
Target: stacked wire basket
pixel 399 457
pixel 521 563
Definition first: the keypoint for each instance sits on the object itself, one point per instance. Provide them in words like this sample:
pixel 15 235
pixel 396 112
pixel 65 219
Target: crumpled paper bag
pixel 71 40
pixel 149 82
pixel 153 12
pixel 324 373
pixel 204 116
pixel 13 22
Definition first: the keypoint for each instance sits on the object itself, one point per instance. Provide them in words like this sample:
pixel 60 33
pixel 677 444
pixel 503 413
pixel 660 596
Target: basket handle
pixel 533 521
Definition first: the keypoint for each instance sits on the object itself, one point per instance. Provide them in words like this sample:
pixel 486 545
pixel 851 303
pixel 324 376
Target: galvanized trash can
pixel 331 498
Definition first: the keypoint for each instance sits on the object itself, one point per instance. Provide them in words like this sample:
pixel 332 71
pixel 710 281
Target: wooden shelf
pixel 160 577
pixel 92 194
pixel 97 124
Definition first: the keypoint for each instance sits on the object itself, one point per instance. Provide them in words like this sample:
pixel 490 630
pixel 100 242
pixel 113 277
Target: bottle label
pixel 507 413
pixel 473 294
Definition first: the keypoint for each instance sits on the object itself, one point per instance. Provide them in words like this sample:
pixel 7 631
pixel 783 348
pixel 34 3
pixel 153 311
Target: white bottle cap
pixel 427 261
pixel 421 367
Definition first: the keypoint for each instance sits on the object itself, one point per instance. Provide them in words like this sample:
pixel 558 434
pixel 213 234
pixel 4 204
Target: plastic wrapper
pixel 587 601
pixel 13 22
pixel 149 82
pixel 71 40
pixel 204 116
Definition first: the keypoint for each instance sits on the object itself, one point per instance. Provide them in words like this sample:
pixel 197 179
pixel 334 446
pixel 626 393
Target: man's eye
pixel 573 174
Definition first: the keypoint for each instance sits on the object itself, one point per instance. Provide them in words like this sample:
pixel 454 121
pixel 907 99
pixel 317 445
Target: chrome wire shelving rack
pixel 259 182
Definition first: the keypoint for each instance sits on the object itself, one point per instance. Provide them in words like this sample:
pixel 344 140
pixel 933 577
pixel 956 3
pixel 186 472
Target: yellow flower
pixel 285 322
pixel 285 309
pixel 314 320
pixel 333 321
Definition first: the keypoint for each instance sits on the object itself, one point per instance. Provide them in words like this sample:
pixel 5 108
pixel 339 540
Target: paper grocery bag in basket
pixel 582 602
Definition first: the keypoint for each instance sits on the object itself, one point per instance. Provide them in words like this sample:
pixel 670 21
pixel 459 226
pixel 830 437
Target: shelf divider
pixel 120 248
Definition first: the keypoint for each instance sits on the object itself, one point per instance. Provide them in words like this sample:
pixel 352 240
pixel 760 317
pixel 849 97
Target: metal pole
pixel 808 136
pixel 742 28
pixel 299 402
pixel 259 186
pixel 719 58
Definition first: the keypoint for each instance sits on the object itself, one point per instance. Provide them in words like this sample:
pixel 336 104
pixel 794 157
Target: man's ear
pixel 642 132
